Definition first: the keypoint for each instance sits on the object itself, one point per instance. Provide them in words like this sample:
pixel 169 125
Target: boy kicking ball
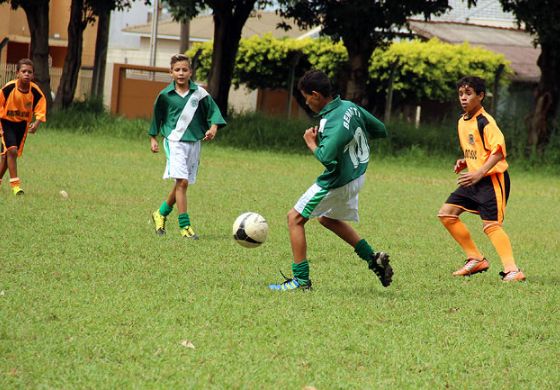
pixel 340 144
pixel 484 188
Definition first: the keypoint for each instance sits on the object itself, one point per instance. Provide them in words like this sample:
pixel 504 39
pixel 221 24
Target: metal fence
pixel 83 87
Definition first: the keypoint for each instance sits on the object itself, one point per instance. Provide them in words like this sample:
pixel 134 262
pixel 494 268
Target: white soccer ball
pixel 250 230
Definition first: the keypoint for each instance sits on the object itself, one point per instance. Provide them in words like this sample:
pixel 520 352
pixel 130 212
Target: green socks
pixel 363 250
pixel 184 220
pixel 165 209
pixel 301 271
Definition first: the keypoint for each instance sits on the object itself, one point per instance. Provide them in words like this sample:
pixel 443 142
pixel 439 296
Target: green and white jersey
pixel 343 146
pixel 184 118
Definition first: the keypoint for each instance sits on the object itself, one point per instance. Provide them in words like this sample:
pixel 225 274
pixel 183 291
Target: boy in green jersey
pixel 184 114
pixel 340 144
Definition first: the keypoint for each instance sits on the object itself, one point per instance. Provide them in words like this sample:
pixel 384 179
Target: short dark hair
pixel 476 83
pixel 315 80
pixel 179 57
pixel 24 61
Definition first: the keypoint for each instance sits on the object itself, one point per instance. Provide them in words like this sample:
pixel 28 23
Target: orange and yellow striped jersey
pixel 480 137
pixel 17 106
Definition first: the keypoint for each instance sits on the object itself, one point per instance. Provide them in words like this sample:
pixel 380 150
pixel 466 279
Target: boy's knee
pixel 12 152
pixel 182 183
pixel 490 227
pixel 447 220
pixel 294 218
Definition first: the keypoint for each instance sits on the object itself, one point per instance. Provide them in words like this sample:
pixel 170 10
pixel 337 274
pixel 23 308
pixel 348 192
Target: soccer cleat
pixel 513 276
pixel 291 284
pixel 472 266
pixel 188 232
pixel 17 190
pixel 379 264
pixel 159 221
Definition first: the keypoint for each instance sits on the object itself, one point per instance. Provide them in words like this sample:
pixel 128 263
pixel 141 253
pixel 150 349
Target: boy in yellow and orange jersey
pixel 484 188
pixel 21 101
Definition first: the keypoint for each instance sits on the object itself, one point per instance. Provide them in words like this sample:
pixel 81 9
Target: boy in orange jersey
pixel 484 188
pixel 20 101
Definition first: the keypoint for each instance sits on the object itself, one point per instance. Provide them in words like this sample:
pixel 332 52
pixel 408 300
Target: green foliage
pixel 430 70
pixel 425 70
pixel 264 62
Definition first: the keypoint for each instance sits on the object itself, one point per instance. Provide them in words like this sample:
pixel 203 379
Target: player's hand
pixel 210 134
pixel 154 146
pixel 469 178
pixel 33 127
pixel 310 137
pixel 460 165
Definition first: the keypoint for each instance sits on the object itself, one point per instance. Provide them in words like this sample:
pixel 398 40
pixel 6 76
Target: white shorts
pixel 182 160
pixel 339 203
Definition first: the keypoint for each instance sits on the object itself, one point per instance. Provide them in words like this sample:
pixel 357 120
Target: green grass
pixel 90 297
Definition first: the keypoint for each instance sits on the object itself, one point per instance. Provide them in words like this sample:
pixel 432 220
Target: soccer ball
pixel 250 230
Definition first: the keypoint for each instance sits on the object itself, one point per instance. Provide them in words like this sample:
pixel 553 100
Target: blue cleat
pixel 291 284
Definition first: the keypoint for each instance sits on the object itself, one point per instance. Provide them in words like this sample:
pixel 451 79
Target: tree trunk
pixel 73 59
pixel 228 24
pixel 541 121
pixel 100 60
pixel 185 36
pixel 38 21
pixel 359 53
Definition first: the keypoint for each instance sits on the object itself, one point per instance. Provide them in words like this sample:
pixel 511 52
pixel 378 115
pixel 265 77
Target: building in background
pixel 137 52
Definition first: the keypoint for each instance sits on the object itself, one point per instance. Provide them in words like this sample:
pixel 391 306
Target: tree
pixel 80 16
pixel 363 26
pixel 102 9
pixel 229 18
pixel 37 13
pixel 541 19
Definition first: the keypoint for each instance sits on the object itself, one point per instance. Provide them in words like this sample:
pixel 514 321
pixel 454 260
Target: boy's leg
pixel 15 182
pixel 300 266
pixel 475 263
pixel 160 215
pixel 378 262
pixel 501 242
pixel 181 186
pixel 3 166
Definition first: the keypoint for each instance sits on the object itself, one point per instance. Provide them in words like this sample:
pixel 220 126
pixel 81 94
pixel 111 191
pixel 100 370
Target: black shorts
pixel 14 135
pixel 487 198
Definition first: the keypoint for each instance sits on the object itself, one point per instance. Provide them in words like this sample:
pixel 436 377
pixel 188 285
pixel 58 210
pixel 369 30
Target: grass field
pixel 90 297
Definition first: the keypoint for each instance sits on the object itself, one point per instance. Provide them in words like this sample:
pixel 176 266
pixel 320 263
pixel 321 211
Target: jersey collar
pixel 171 87
pixel 330 106
pixel 480 111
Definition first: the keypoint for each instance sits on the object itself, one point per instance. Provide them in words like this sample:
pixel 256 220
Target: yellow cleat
pixel 159 221
pixel 188 232
pixel 17 190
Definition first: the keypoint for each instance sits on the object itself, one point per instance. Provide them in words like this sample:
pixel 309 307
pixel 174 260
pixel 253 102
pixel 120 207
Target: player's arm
pixel 157 118
pixel 214 118
pixel 40 110
pixel 374 127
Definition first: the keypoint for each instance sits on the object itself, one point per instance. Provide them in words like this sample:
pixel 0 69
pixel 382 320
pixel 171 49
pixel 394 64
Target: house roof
pixel 516 45
pixel 202 27
pixel 486 12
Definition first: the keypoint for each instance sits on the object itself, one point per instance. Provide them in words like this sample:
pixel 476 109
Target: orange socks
pixel 501 242
pixel 14 182
pixel 461 234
